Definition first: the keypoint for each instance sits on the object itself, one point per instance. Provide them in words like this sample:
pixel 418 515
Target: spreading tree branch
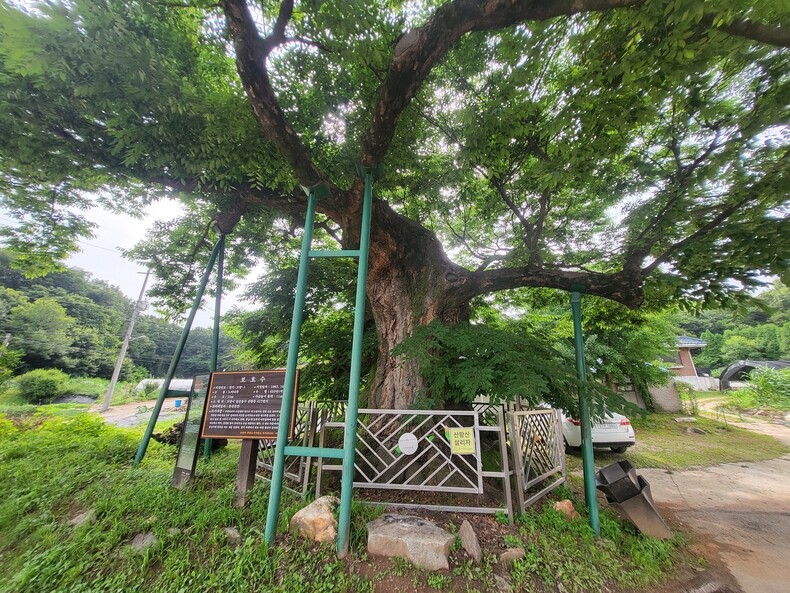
pixel 768 34
pixel 419 50
pixel 251 53
pixel 620 287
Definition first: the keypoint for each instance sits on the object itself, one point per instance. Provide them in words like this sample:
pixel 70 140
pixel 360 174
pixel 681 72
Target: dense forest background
pixel 73 322
pixel 760 331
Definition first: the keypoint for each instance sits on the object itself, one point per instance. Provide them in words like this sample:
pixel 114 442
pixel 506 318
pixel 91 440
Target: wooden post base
pixel 245 477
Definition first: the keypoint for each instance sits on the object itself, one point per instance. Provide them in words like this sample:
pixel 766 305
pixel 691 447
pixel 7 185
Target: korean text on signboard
pixel 246 405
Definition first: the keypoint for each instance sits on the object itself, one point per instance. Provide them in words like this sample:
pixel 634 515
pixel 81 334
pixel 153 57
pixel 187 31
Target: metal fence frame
pixel 382 420
pixel 297 469
pixel 545 445
pixel 510 427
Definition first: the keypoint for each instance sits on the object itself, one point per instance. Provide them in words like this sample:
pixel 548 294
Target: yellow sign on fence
pixel 462 441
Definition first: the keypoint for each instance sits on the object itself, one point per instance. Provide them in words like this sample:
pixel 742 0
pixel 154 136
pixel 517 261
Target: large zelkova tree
pixel 628 147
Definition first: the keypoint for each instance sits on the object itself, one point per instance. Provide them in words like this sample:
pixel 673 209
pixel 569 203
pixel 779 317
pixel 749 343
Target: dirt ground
pixel 739 513
pixel 134 413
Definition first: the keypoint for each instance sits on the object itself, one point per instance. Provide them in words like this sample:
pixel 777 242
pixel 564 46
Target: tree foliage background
pixel 72 322
pixel 635 148
pixel 760 331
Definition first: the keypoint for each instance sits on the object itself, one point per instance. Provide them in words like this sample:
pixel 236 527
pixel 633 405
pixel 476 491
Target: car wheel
pixel 568 448
pixel 619 449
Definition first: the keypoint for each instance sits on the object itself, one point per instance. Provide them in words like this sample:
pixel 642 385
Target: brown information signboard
pixel 246 405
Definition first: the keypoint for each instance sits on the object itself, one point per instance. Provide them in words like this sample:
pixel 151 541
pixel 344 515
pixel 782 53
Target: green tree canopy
pixel 759 330
pixel 631 147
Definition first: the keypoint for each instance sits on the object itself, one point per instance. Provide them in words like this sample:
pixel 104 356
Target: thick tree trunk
pixel 411 282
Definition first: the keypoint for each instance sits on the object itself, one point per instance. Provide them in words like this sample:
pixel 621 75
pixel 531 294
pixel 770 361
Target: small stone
pixel 88 517
pixel 469 541
pixel 173 531
pixel 682 419
pixel 143 541
pixel 502 584
pixel 566 508
pixel 233 535
pixel 407 536
pixel 317 520
pixel 510 555
pixel 695 430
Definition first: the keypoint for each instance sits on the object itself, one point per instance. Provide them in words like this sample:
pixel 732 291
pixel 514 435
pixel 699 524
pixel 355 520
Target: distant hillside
pixel 74 322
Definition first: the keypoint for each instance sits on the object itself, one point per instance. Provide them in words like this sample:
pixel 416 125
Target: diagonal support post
pixel 278 466
pixel 171 371
pixel 215 332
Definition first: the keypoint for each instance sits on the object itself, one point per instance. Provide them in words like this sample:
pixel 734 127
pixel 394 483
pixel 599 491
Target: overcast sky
pixel 100 255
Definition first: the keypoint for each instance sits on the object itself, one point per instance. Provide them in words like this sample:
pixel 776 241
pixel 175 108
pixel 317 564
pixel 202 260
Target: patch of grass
pixel 439 582
pixel 361 515
pixel 663 443
pixel 87 386
pixel 708 395
pixel 55 466
pixel 125 393
pixel 10 398
pixel 768 389
pixel 52 468
pixel 620 556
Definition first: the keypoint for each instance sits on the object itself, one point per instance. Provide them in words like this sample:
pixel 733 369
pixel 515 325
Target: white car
pixel 613 431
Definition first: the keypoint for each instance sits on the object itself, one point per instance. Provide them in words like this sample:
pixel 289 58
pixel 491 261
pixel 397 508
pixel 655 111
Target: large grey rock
pixel 469 541
pixel 418 540
pixel 510 555
pixel 88 517
pixel 143 541
pixel 232 535
pixel 317 520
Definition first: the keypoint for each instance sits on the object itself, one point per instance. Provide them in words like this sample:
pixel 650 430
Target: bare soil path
pixel 739 511
pixel 135 413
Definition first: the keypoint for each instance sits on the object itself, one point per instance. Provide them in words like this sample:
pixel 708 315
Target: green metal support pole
pixel 217 314
pixel 278 468
pixel 588 462
pixel 171 371
pixel 350 436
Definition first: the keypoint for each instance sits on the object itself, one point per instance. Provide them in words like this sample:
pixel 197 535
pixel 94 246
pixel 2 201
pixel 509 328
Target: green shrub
pixel 42 385
pixel 768 388
pixel 9 360
pixel 87 386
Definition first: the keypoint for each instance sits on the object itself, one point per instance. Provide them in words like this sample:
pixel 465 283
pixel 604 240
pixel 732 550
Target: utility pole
pixel 117 370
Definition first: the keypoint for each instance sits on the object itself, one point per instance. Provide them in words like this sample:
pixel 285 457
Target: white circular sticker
pixel 408 443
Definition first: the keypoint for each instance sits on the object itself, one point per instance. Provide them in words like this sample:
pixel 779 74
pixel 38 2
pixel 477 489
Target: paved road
pixel 740 510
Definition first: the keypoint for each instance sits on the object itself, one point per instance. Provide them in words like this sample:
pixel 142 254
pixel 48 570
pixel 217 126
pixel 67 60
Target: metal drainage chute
pixel 629 494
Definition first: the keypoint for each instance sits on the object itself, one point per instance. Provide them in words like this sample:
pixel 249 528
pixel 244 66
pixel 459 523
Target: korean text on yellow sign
pixel 462 441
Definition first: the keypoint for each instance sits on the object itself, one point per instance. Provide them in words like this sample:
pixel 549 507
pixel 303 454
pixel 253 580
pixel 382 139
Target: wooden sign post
pixel 246 405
